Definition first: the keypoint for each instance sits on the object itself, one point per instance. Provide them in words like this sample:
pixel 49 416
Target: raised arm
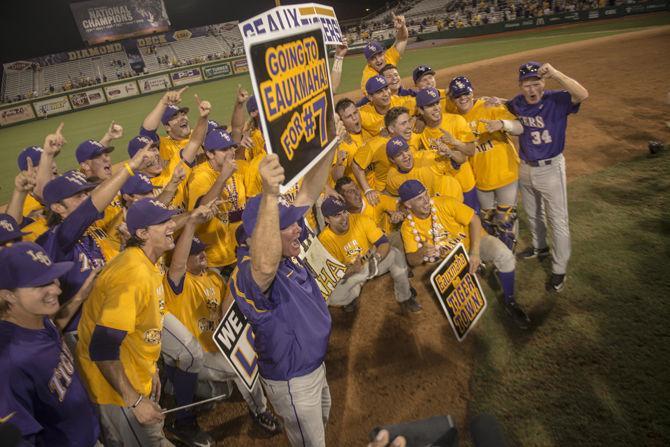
pixel 114 132
pixel 577 92
pixel 199 132
pixel 51 147
pixel 227 169
pixel 266 246
pixel 153 119
pixel 24 183
pixel 512 127
pixel 336 71
pixel 401 33
pixel 181 250
pixel 238 118
pixel 67 311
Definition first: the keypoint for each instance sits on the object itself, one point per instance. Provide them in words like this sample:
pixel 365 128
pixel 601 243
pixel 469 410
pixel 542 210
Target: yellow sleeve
pixel 449 105
pixel 462 131
pixel 388 204
pixel 408 240
pixel 409 102
pixel 462 213
pixel 393 181
pixel 363 156
pixel 501 113
pixel 119 308
pixel 392 56
pixel 372 232
pixel 197 188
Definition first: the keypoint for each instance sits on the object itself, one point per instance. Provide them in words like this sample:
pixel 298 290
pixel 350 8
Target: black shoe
pixel 351 307
pixel 556 283
pixel 532 253
pixel 267 421
pixel 411 305
pixel 518 315
pixel 189 432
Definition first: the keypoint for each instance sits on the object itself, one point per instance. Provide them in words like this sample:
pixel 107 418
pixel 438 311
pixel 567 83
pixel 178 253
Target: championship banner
pixel 459 292
pixel 154 83
pixel 327 270
pixel 16 114
pixel 87 98
pixel 291 81
pixel 123 90
pixel 218 70
pixel 294 18
pixel 235 340
pixel 51 106
pixel 186 76
pixel 106 20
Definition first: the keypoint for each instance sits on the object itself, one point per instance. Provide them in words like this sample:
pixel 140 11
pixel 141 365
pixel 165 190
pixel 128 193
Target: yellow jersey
pixel 450 227
pixel 496 161
pixel 258 147
pixel 371 157
pixel 31 205
pixel 36 229
pixel 373 121
pixel 350 148
pixel 219 233
pixel 168 147
pixel 436 174
pixel 379 213
pixel 391 56
pixel 196 302
pixel 357 241
pixel 128 295
pixel 161 180
pixel 459 129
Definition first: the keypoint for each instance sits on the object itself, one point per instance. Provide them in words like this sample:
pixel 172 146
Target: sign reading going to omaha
pixel 459 292
pixel 291 81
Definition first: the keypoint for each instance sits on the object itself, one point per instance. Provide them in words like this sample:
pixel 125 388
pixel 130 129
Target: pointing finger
pixel 182 90
pixel 59 129
pixel 197 99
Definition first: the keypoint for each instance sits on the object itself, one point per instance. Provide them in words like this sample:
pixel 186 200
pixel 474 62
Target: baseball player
pixel 495 162
pixel 120 331
pixel 434 226
pixel 284 305
pixel 344 157
pixel 433 169
pixel 377 56
pixel 424 77
pixel 194 295
pixel 27 159
pixel 454 131
pixel 544 116
pixel 381 101
pixel 383 214
pixel 357 242
pixel 392 76
pixel 174 120
pixel 42 393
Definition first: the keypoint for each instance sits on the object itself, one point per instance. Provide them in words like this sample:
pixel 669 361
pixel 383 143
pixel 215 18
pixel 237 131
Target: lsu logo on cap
pixel 380 79
pixel 96 143
pixel 371 47
pixel 144 140
pixel 397 143
pixel 432 93
pixel 77 177
pixel 6 225
pixel 158 204
pixel 144 178
pixel 39 256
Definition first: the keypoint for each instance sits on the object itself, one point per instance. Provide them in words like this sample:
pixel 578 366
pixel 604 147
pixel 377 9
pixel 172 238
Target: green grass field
pixel 92 123
pixel 594 370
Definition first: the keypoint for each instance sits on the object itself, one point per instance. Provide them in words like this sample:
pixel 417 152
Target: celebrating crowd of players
pixel 103 270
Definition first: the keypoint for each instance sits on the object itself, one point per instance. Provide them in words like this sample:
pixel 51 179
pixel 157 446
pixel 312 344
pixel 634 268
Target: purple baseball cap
pixel 64 186
pixel 252 105
pixel 332 207
pixel 32 152
pixel 218 140
pixel 90 149
pixel 420 71
pixel 427 96
pixel 374 84
pixel 171 111
pixel 137 184
pixel 395 146
pixel 373 48
pixel 138 143
pixel 211 125
pixel 9 229
pixel 197 247
pixel 529 70
pixel 460 86
pixel 26 264
pixel 410 189
pixel 147 212
pixel 288 214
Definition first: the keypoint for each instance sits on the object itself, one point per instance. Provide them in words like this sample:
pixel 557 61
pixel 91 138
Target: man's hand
pixel 246 141
pixel 373 196
pixel 475 262
pixel 442 148
pixel 396 216
pixel 430 253
pixel 272 174
pixel 148 412
pixel 341 50
pixel 398 21
pixel 204 107
pixel 546 71
pixel 54 141
pixel 26 180
pixel 382 440
pixel 142 158
pixel 178 175
pixel 201 214
pixel 242 94
pixel 355 267
pixel 228 167
pixel 492 125
pixel 114 132
pixel 174 96
pixel 493 101
pixel 156 387
pixel 341 157
pixel 340 129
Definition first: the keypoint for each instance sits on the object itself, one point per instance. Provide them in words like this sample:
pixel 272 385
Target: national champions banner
pixel 291 81
pixel 106 20
pixel 459 292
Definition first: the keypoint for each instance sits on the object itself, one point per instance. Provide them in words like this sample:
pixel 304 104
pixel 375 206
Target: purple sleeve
pixel 251 299
pixel 149 134
pixel 563 101
pixel 176 288
pixel 511 105
pixel 381 240
pixel 75 225
pixel 17 397
pixel 105 343
pixel 361 102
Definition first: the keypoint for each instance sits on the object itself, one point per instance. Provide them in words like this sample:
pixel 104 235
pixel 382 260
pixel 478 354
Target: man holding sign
pixel 433 228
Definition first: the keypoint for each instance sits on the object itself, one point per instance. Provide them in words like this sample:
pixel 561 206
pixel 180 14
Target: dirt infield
pixel 384 367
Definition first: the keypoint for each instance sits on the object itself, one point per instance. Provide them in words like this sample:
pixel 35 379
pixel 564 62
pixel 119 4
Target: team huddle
pixel 105 274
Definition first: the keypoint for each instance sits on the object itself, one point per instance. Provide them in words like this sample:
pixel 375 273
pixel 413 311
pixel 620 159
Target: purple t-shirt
pixel 291 321
pixel 40 386
pixel 543 123
pixel 68 241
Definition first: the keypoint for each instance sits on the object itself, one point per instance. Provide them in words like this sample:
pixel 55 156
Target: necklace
pixel 433 232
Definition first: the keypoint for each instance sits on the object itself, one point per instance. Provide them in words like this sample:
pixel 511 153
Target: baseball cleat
pixel 267 421
pixel 189 433
pixel 556 282
pixel 532 253
pixel 518 315
pixel 411 305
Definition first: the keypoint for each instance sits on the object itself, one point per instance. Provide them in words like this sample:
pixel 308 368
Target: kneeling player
pixel 435 225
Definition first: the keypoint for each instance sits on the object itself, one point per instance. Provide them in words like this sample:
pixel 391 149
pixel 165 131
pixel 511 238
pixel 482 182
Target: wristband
pixel 129 169
pixel 137 402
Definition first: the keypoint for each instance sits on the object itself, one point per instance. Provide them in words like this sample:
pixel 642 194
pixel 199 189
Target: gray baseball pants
pixel 544 194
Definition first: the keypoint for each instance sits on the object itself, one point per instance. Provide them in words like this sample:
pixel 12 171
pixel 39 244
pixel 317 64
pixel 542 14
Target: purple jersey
pixel 543 123
pixel 41 389
pixel 69 241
